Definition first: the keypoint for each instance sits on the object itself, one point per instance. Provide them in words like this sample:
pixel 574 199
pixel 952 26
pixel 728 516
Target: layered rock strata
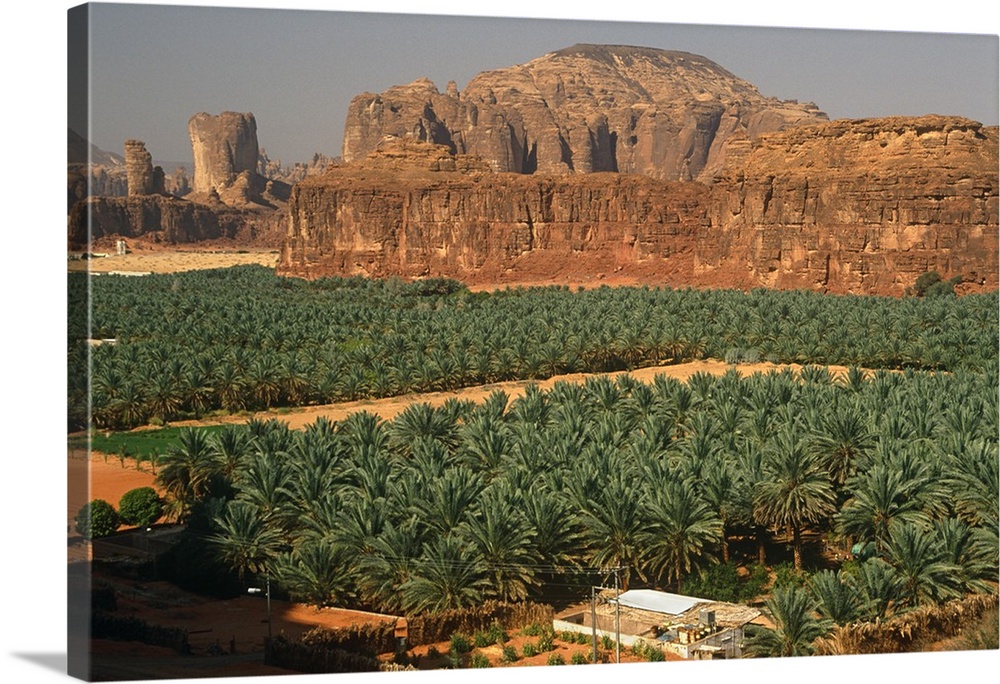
pixel 169 220
pixel 450 216
pixel 846 206
pixel 860 206
pixel 225 150
pixel 587 108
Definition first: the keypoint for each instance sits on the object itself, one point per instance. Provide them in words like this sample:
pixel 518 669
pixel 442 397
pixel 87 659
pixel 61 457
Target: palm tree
pixel 613 527
pixel 188 471
pixel 244 540
pixel 843 436
pixel 837 599
pixel 680 527
pixel 503 542
pixel 719 490
pixel 927 574
pixel 445 577
pixel 880 496
pixel 971 552
pixel 797 626
pixel 795 491
pixel 314 572
pixel 878 588
pixel 394 553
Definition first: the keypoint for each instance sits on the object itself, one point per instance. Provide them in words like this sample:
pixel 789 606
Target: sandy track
pixel 109 478
pixel 174 261
pixel 390 407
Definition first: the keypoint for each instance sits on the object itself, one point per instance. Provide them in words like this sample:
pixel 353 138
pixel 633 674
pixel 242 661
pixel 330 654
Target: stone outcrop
pixel 846 206
pixel 224 147
pixel 234 201
pixel 860 206
pixel 587 108
pixel 138 168
pixel 169 220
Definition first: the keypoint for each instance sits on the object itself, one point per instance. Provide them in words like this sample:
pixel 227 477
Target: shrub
pixel 607 643
pixel 460 643
pixel 509 655
pixel 545 642
pixel 481 640
pixel 534 629
pixel 555 659
pixel 479 660
pixel 497 634
pixel 96 519
pixel 579 659
pixel 785 575
pixel 929 284
pixel 141 507
pixel 529 649
pixel 754 585
pixel 721 582
pixel 582 638
pixel 568 637
pixel 654 655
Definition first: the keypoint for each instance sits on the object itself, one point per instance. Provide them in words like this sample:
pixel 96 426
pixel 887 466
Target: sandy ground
pixel 173 261
pixel 390 407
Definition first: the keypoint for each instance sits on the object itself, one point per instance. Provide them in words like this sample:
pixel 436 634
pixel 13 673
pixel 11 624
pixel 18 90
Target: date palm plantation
pixel 544 495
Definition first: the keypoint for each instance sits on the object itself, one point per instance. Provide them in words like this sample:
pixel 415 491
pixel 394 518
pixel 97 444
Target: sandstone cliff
pixel 429 213
pixel 232 201
pixel 170 220
pixel 845 206
pixel 860 206
pixel 587 108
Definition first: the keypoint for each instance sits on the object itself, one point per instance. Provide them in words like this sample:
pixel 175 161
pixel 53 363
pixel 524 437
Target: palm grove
pixel 541 496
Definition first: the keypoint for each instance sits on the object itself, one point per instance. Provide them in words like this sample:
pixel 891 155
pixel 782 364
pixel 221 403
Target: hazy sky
pixel 850 80
pixel 153 67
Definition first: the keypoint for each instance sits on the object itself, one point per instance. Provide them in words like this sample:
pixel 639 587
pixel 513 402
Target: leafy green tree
pixel 796 490
pixel 140 507
pixel 244 540
pixel 679 531
pixel 796 626
pixel 837 599
pixel 97 518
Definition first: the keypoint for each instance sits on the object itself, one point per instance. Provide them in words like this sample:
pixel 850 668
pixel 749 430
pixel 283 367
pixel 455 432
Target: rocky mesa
pixel 845 206
pixel 586 108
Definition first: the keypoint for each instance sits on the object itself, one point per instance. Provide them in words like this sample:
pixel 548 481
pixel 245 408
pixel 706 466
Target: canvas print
pixel 423 343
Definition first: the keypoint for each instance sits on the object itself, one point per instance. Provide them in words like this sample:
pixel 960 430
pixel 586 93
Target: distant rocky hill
pixel 665 114
pixel 229 198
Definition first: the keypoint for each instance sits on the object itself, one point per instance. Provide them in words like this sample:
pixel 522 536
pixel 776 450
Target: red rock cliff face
pixel 416 219
pixel 847 206
pixel 860 206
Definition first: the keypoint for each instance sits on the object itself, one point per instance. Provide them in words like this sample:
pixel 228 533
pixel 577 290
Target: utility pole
pixel 618 610
pixel 593 618
pixel 267 580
